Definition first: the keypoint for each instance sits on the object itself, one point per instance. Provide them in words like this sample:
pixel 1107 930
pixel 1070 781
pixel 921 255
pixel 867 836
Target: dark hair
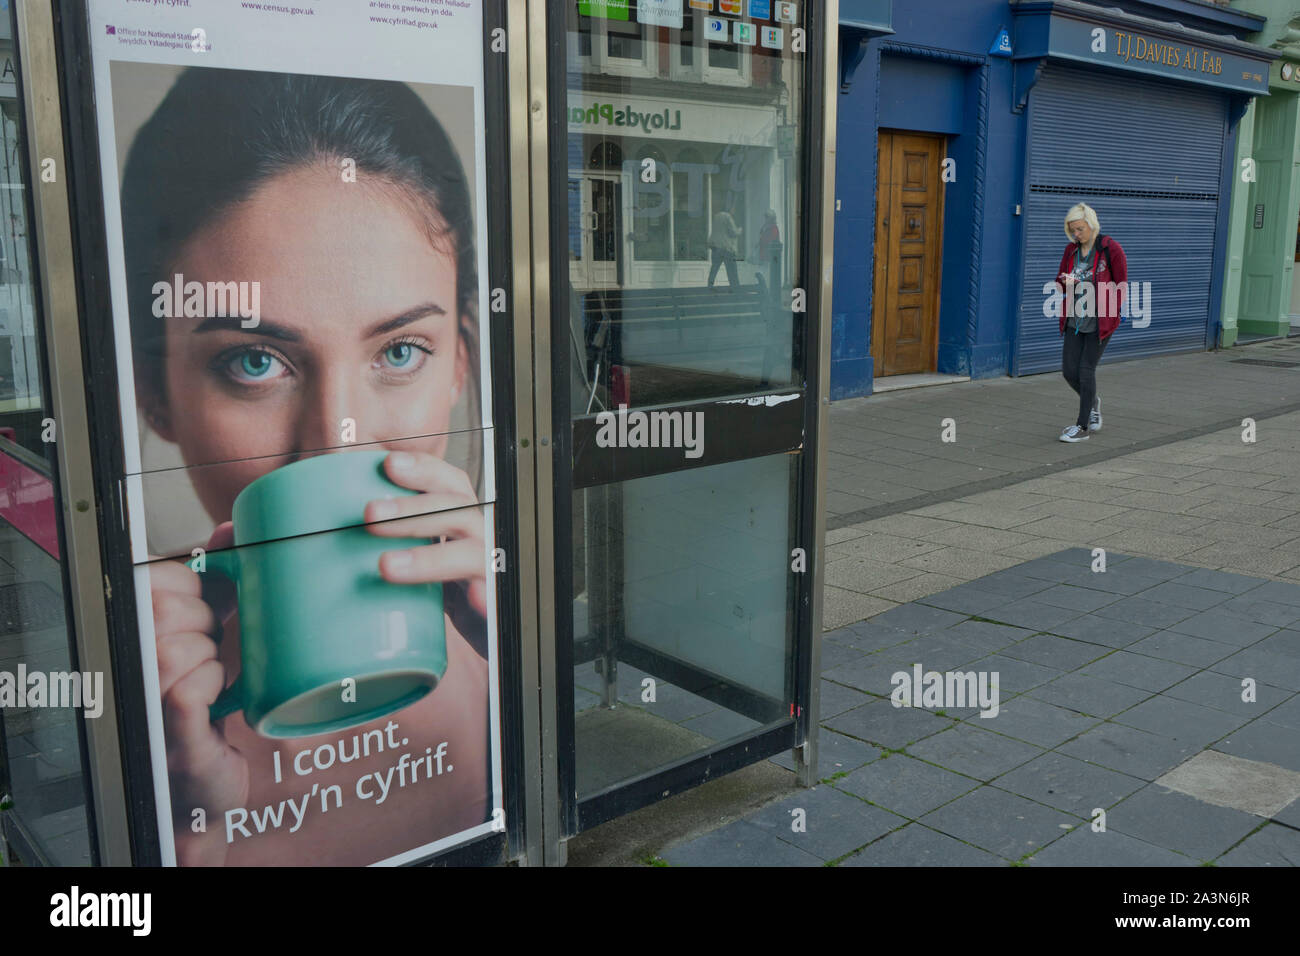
pixel 220 134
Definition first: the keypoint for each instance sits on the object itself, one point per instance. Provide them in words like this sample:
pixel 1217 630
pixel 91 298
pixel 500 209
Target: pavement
pixel 1148 713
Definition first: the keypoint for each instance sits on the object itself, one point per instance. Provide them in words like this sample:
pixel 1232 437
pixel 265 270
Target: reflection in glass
pixel 682 614
pixel 663 141
pixel 684 181
pixel 40 745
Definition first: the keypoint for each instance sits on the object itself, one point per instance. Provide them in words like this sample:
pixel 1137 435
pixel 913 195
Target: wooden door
pixel 909 231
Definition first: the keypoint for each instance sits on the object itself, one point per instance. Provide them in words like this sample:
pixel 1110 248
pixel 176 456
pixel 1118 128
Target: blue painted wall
pixel 897 88
pixel 928 95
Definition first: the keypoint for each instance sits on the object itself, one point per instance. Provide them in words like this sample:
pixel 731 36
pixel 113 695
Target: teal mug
pixel 313 609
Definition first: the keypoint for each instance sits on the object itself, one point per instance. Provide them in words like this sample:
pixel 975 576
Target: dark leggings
pixel 1079 360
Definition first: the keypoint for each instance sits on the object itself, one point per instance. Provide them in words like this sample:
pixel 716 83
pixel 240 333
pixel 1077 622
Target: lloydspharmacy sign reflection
pixel 608 114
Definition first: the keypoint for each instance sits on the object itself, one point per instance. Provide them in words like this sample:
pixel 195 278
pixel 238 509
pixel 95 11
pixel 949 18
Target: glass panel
pixel 40 692
pixel 683 609
pixel 625 42
pixel 697 290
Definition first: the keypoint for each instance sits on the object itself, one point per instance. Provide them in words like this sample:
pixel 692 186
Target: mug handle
pixel 226 564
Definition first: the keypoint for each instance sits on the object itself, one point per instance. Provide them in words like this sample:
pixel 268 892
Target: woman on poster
pixel 346 201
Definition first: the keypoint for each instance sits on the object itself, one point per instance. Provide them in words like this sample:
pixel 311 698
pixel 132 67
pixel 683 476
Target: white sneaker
pixel 1074 433
pixel 1094 417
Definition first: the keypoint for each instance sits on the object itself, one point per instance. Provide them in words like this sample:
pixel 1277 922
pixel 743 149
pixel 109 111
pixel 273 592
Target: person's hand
pixel 446 517
pixel 204 770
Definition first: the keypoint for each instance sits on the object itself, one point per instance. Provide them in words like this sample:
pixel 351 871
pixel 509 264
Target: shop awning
pixel 876 16
pixel 1112 39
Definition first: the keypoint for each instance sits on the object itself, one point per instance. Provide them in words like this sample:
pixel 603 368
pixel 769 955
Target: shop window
pixel 690 188
pixel 707 61
pixel 651 207
pixel 622 48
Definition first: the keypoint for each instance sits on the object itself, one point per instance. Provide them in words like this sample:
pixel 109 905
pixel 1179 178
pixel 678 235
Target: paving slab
pixel 836 754
pixel 1286 714
pixel 1264 741
pixel 986 635
pixel 966 598
pixel 833 822
pixel 1035 722
pixel 1218 625
pixel 1077 598
pixel 1140 609
pixel 872 674
pixel 905 785
pixel 918 618
pixel 1181 823
pixel 1226 781
pixel 939 652
pixel 872 636
pixel 1138 670
pixel 1279 591
pixel 1086 847
pixel 1186 596
pixel 1001 822
pixel 739 844
pixel 1033 614
pixel 836 699
pixel 835 653
pixel 1068 784
pixel 1128 750
pixel 1181 720
pixel 1012 676
pixel 1088 695
pixel 974 752
pixel 1011 583
pixel 1261 610
pixel 1219 581
pixel 1279 669
pixel 1197 652
pixel 1271 846
pixel 1062 653
pixel 918 845
pixel 1290 815
pixel 883 724
pixel 1103 630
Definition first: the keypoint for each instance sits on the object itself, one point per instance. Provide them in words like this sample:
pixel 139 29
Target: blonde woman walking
pixel 1091 279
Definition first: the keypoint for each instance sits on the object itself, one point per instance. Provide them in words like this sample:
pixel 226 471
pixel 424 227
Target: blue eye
pixel 399 354
pixel 253 365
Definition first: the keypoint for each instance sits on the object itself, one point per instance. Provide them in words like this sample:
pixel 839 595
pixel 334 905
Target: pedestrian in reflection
pixel 724 245
pixel 769 254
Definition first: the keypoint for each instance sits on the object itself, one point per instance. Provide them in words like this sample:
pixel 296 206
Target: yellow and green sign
pixel 609 9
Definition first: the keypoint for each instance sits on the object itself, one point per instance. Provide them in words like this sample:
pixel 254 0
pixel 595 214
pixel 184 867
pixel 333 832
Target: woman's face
pixel 357 321
pixel 1081 231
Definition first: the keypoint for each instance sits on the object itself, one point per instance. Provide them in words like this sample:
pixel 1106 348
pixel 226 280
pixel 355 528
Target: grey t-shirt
pixel 1084 318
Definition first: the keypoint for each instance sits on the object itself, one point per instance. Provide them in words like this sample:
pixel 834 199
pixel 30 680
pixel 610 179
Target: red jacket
pixel 1111 275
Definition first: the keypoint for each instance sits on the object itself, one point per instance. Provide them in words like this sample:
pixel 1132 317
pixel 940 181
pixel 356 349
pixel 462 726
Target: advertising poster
pixel 295 207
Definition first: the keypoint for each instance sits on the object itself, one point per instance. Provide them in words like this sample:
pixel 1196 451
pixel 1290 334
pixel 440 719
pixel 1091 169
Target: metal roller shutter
pixel 1153 179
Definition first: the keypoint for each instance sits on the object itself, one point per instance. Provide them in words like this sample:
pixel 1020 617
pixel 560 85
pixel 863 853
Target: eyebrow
pixel 282 333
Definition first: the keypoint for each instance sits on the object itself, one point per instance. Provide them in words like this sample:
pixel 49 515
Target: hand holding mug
pixel 445 514
pixel 205 771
